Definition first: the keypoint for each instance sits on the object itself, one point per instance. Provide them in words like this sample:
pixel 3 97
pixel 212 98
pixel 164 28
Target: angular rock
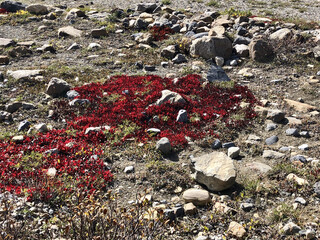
pixel 223 208
pixel 146 7
pixel 198 197
pixel 210 47
pixel 179 58
pixel 236 230
pixel 164 146
pixel 6 42
pixel 24 125
pixel 169 96
pixel 169 52
pixel 316 52
pixel 242 50
pixel 215 170
pixel 190 209
pixel 182 116
pixel 292 132
pixel 217 74
pixel 19 138
pixel 275 115
pixel 100 32
pixel 281 34
pixel 37 9
pixel 57 87
pixel 129 169
pixel 94 46
pixel 69 31
pixel 5 116
pixel 290 229
pixel 272 154
pixel 216 144
pixel 233 152
pixel 301 107
pixel 260 51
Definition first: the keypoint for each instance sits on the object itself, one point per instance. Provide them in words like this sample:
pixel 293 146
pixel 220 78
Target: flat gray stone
pixel 24 74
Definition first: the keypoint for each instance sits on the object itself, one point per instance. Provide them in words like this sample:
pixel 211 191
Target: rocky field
pixel 162 120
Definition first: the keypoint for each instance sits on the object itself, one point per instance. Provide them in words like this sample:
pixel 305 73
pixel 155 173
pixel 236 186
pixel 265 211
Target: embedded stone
pixel 198 197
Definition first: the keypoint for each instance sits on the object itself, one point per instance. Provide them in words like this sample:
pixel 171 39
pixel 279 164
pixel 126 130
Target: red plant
pixel 3 11
pixel 160 33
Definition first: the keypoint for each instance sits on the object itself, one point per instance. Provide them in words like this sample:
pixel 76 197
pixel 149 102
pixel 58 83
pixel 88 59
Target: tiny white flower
pixel 51 172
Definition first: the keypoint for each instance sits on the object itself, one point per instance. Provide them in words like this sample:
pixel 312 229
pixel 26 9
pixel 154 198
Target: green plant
pixel 213 3
pixel 237 13
pixel 166 2
pixel 283 213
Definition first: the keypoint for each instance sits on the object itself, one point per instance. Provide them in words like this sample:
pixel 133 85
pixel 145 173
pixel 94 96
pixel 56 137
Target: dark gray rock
pixel 216 144
pixel 272 140
pixel 13 107
pixel 299 158
pixel 146 7
pixel 305 134
pixel 182 116
pixel 169 214
pixel 24 125
pixel 179 58
pixel 164 146
pixel 228 145
pixel 217 74
pixel 242 40
pixel 11 6
pixel 247 207
pixel 57 87
pixel 261 51
pixel 149 68
pixel 5 116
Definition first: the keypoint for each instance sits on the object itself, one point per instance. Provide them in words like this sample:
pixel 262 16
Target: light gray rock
pixel 292 132
pixel 272 140
pixel 94 46
pixel 210 47
pixel 96 129
pixel 164 146
pixel 196 196
pixel 281 34
pixel 129 169
pixel 72 94
pixel 219 61
pixel 290 229
pixel 57 87
pixel 300 200
pixel 6 42
pixel 233 152
pixel 171 97
pixel 24 74
pixel 168 52
pixel 41 127
pixel 78 102
pixel 242 50
pixel 271 126
pixel 216 144
pixel 316 52
pixel 272 154
pixel 74 46
pixel 217 74
pixel 37 9
pixel 215 170
pixel 69 31
pixel 316 188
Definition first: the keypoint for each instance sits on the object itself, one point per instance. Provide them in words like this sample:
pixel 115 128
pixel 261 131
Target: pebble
pixel 129 169
pixel 304 147
pixel 300 200
pixel 292 132
pixel 271 127
pixel 299 158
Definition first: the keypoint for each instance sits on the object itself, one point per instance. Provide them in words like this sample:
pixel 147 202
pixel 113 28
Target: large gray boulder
pixel 215 170
pixel 57 87
pixel 211 47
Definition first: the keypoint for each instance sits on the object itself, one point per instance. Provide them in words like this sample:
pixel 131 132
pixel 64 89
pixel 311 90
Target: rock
pixel 310 234
pixel 260 51
pixel 169 96
pixel 290 229
pixel 146 7
pixel 74 46
pixel 215 170
pixel 216 144
pixel 179 58
pixel 41 127
pixel 304 134
pixel 272 154
pixel 190 209
pixel 298 180
pixel 164 146
pixel 276 115
pixel 299 158
pixel 217 31
pixel 168 52
pixel 242 50
pixel 13 107
pixel 304 147
pixel 19 138
pixel 69 31
pixel 78 102
pixel 301 107
pixel 228 145
pixel 6 42
pixel 149 68
pixel 316 188
pixel 4 60
pixel 217 74
pixel 37 9
pixel 57 87
pixel 236 230
pixel 247 207
pixel 300 200
pixel 5 116
pixel 94 46
pixel 271 127
pixel 198 197
pixel 292 132
pixel 219 61
pixel 129 169
pixel 24 125
pixel 281 34
pixel 233 152
pixel 100 32
pixel 96 129
pixel 75 12
pixel 210 47
pixel 72 94
pixel 223 208
pixel 24 74
pixel 46 48
pixel 316 52
pixel 12 6
pixel 179 211
pixel 182 116
pixel 259 167
pixel 272 140
pixel 242 40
